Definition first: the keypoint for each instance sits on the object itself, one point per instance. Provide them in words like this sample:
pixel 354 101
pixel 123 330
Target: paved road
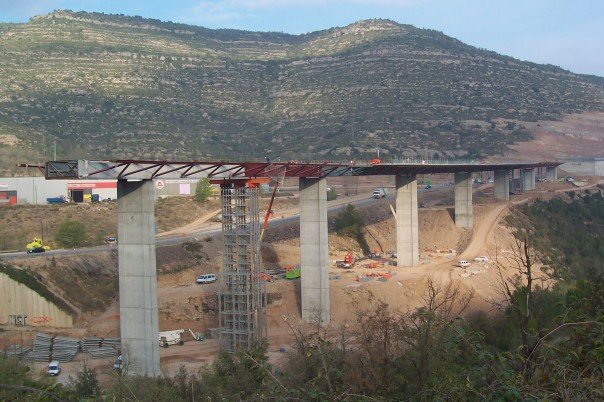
pixel 163 241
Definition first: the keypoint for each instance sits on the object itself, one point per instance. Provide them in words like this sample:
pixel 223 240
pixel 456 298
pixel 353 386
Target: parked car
pixel 117 366
pixel 206 278
pixel 379 193
pixel 36 250
pixel 463 263
pixel 53 368
pixel 111 240
pixel 482 258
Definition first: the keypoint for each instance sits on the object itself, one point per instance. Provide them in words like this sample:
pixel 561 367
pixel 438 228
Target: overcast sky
pixel 566 33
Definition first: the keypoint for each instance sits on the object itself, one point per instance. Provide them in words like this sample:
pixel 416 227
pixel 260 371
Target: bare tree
pixel 528 276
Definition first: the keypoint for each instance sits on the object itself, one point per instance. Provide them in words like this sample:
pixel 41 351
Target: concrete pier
pixel 464 214
pixel 527 177
pixel 314 250
pixel 138 277
pixel 407 222
pixel 551 173
pixel 502 185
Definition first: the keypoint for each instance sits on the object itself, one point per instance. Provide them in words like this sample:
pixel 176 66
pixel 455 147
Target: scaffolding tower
pixel 242 293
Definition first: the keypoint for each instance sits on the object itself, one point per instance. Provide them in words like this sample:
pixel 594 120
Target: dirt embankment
pixel 576 135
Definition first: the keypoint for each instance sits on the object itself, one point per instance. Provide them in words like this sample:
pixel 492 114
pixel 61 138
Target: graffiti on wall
pixel 41 320
pixel 17 319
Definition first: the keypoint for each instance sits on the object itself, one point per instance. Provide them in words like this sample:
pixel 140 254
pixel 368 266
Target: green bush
pixel 203 190
pixel 71 234
pixel 332 194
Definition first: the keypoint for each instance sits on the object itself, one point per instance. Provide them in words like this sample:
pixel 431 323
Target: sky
pixel 565 33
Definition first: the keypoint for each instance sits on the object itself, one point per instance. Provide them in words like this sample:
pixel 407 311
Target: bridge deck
pixel 144 169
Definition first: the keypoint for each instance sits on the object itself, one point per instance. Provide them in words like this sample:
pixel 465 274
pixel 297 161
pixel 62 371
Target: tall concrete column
pixel 551 173
pixel 314 251
pixel 502 185
pixel 137 277
pixel 464 214
pixel 528 179
pixel 407 222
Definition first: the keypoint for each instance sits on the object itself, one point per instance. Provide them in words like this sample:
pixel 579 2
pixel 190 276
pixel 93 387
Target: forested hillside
pixel 117 86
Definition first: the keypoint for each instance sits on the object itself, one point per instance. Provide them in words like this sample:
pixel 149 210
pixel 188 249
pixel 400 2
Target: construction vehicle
pixel 198 336
pixel 167 338
pixel 347 262
pixel 37 243
pixel 293 272
pixel 56 200
pixel 269 212
pixel 266 277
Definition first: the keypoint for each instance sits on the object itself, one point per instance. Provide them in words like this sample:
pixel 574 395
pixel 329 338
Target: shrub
pixel 203 190
pixel 332 194
pixel 71 234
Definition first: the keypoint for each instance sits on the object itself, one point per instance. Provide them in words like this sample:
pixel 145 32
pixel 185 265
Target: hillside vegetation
pixel 572 233
pixel 117 86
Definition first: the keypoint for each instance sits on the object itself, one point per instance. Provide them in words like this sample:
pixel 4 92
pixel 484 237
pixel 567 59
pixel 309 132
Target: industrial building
pixel 36 190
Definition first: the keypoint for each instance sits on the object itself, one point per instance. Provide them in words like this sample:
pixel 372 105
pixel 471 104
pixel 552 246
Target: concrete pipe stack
pixel 101 347
pixel 64 349
pixel 42 348
pixel 16 351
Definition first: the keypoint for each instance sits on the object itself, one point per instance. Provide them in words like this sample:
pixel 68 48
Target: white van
pixel 463 263
pixel 54 368
pixel 206 278
pixel 379 193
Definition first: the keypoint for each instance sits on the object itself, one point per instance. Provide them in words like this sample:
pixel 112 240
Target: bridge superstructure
pixel 242 298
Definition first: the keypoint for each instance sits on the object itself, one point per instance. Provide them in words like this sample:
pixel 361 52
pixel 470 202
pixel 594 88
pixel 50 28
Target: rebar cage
pixel 241 292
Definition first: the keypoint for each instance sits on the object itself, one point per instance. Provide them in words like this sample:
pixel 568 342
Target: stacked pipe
pixel 101 347
pixel 64 349
pixel 42 348
pixel 16 351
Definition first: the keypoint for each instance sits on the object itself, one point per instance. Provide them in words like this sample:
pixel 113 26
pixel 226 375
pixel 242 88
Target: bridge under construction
pixel 242 296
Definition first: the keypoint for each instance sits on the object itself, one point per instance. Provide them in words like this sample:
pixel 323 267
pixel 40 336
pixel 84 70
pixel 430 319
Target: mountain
pixel 109 86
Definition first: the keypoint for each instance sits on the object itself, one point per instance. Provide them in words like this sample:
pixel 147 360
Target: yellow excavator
pixel 37 244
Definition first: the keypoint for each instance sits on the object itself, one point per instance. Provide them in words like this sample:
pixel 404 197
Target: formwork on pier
pixel 242 293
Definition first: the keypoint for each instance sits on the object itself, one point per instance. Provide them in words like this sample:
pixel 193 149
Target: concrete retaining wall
pixel 19 305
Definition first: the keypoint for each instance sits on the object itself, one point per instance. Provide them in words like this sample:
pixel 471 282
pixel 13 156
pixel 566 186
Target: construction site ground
pixel 185 304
